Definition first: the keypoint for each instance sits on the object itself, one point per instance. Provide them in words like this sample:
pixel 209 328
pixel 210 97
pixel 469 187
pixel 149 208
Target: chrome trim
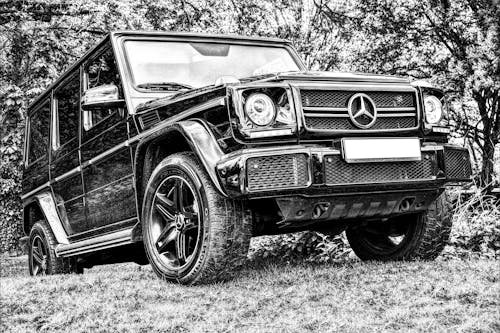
pixel 323 109
pixel 114 239
pixel 363 87
pixel 67 174
pixel 396 115
pixel 38 189
pixel 323 115
pixel 397 109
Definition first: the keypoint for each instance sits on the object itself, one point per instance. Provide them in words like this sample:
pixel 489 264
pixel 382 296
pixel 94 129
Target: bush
pixel 308 245
pixel 476 225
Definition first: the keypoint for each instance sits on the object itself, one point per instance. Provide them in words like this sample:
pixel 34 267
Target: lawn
pixel 446 295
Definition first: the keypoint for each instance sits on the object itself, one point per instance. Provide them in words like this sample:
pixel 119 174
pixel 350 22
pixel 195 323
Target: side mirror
pixel 102 96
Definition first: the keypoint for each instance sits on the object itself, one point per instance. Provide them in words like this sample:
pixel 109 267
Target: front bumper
pixel 318 170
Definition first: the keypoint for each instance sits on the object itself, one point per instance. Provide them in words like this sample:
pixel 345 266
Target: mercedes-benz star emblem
pixel 362 110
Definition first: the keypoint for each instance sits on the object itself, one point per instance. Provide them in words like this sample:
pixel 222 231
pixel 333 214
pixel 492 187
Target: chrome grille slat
pixel 326 110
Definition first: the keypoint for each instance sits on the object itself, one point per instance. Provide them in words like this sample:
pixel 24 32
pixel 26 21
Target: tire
pixel 202 237
pixel 424 235
pixel 42 258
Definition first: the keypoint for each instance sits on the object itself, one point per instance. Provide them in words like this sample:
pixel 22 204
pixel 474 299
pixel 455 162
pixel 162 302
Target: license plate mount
pixel 366 150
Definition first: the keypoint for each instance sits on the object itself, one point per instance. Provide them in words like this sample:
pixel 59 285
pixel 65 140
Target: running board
pixel 117 238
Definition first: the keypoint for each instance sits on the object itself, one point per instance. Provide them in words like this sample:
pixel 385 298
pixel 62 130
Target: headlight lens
pixel 433 109
pixel 260 109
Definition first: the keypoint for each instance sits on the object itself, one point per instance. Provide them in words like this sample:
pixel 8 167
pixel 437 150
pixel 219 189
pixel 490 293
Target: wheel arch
pixel 188 135
pixel 42 206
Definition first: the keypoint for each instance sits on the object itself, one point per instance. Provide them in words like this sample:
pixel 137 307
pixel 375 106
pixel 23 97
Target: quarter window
pixel 67 99
pixel 39 133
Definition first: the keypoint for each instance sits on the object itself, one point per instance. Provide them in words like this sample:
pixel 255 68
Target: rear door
pixel 106 157
pixel 65 162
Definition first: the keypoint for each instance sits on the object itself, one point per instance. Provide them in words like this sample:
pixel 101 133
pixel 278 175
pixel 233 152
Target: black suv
pixel 175 149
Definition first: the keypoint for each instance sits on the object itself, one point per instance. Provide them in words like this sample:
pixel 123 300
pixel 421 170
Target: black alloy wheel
pixel 38 256
pixel 175 222
pixel 191 233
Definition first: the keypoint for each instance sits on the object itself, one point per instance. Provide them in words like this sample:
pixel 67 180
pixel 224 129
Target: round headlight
pixel 260 109
pixel 433 109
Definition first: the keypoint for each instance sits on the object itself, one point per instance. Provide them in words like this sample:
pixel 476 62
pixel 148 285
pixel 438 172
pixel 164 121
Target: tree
pixel 453 43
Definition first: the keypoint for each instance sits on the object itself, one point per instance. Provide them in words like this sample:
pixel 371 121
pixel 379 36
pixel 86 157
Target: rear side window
pixel 66 116
pixel 39 133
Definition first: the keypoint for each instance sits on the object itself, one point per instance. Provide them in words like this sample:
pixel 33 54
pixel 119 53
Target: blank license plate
pixel 359 150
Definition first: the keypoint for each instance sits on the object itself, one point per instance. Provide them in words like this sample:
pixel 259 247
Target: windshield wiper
pixel 169 86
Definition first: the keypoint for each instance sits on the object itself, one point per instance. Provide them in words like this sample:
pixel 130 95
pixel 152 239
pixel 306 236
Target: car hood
pixel 330 76
pixel 299 76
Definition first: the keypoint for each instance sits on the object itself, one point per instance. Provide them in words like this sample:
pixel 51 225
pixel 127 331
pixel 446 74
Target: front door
pixel 106 158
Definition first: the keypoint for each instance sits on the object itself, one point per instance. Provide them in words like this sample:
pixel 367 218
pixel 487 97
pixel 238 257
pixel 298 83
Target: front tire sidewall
pixel 187 172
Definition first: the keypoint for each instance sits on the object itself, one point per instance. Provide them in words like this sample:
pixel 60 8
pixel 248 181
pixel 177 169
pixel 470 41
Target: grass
pixel 445 295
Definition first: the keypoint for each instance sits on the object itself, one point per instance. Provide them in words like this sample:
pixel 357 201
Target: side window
pixel 66 116
pixel 98 72
pixel 39 132
pixel 102 70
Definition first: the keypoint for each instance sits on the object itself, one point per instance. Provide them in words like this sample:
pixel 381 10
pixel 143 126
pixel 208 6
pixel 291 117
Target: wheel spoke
pixel 38 257
pixel 180 247
pixel 165 207
pixel 179 198
pixel 168 236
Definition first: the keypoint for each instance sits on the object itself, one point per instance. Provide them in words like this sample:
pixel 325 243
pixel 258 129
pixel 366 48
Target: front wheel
pixel 408 237
pixel 191 233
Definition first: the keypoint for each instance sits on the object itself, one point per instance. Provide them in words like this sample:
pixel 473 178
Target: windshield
pixel 159 65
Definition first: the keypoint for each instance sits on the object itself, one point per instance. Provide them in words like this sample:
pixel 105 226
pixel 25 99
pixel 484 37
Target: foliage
pixel 310 246
pixel 476 226
pixel 455 44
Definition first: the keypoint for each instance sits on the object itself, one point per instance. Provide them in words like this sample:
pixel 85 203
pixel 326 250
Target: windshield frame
pixel 219 40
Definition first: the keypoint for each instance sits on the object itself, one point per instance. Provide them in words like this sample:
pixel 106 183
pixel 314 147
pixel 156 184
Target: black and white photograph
pixel 249 166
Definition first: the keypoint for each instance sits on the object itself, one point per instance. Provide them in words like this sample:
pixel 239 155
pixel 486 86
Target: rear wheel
pixel 191 233
pixel 42 258
pixel 418 236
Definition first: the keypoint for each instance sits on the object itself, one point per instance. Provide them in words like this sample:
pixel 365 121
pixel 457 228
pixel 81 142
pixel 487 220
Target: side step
pixel 117 238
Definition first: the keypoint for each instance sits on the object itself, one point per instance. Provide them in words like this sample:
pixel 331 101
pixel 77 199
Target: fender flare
pixel 199 138
pixel 47 205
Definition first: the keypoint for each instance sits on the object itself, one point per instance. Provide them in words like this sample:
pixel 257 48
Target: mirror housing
pixel 103 96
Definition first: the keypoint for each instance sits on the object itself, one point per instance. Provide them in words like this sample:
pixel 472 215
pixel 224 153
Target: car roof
pixel 125 33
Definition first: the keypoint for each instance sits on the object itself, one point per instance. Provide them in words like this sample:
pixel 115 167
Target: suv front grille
pixel 337 171
pixel 326 110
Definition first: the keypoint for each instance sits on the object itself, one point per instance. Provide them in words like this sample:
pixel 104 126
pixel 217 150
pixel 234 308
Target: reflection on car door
pixel 106 158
